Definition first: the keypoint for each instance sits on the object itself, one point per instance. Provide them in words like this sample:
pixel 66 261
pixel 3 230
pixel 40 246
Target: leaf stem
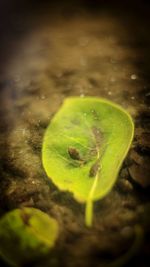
pixel 89 213
pixel 89 204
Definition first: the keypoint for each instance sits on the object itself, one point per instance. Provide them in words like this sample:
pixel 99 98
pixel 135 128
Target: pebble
pixel 134 156
pixel 124 173
pixel 125 186
pixel 140 174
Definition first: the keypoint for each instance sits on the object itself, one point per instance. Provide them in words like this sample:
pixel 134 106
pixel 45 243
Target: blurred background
pixel 50 50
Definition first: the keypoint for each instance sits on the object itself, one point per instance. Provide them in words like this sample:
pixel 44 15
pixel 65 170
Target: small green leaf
pixel 25 235
pixel 84 147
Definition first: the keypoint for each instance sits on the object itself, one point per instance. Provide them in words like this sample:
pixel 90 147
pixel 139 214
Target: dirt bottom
pixel 103 54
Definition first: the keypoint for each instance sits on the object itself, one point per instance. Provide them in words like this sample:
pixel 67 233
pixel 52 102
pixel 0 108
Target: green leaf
pixel 84 147
pixel 26 235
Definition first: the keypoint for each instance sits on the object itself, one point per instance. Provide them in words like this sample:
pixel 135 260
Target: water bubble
pixel 133 77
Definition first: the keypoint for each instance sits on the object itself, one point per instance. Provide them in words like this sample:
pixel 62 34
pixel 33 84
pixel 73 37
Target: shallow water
pixel 55 55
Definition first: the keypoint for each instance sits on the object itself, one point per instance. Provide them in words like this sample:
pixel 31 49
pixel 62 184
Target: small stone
pixel 134 156
pixel 28 203
pixel 124 173
pixel 140 174
pixel 125 186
